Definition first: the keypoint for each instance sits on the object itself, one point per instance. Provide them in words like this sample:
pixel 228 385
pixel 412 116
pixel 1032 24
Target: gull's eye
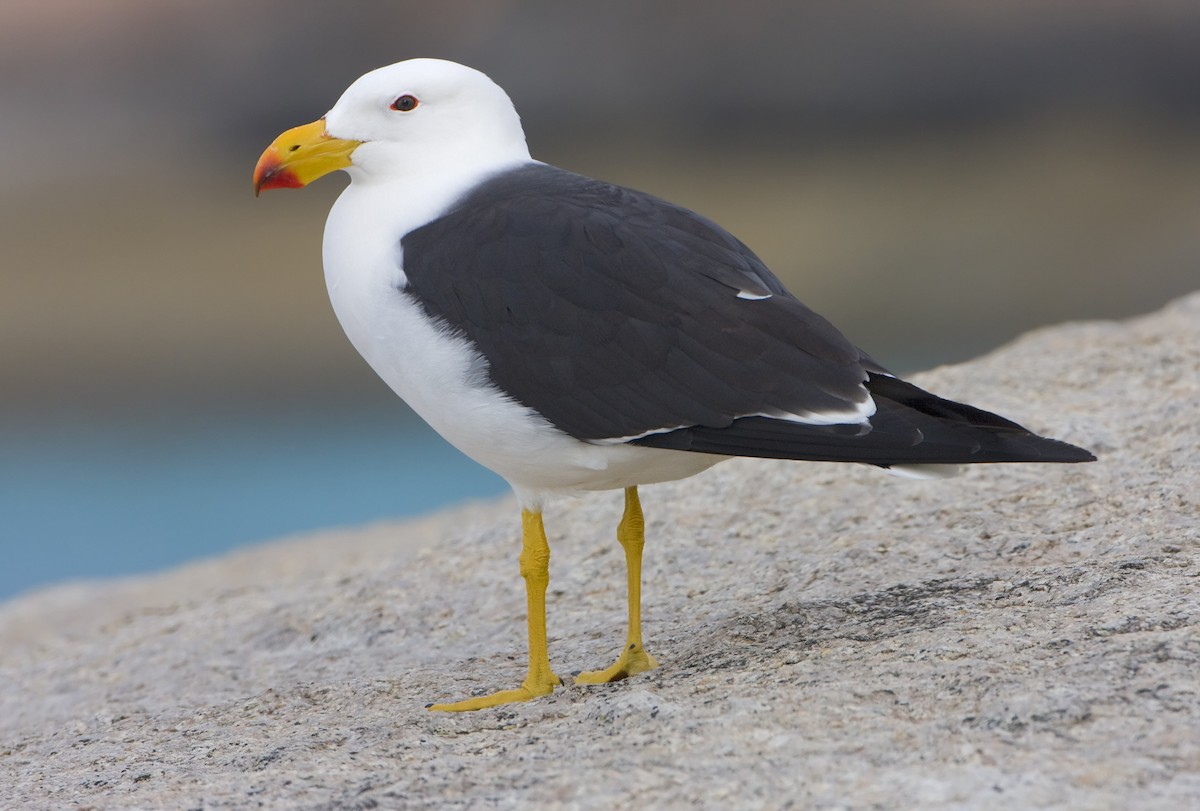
pixel 405 103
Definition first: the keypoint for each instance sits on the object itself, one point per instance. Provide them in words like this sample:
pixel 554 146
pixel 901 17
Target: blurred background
pixel 934 176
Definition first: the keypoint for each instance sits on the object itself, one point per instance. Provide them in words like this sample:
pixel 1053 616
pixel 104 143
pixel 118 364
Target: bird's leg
pixel 535 568
pixel 631 533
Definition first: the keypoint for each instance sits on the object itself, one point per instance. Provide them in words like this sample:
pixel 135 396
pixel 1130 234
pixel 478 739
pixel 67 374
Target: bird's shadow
pixel 798 628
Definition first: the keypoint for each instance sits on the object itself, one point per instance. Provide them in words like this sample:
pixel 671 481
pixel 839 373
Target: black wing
pixel 910 426
pixel 613 313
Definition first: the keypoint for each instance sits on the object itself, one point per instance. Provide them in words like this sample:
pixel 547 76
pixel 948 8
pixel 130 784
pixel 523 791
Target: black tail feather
pixel 910 426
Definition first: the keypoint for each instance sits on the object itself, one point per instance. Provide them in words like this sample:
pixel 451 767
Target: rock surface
pixel 1024 636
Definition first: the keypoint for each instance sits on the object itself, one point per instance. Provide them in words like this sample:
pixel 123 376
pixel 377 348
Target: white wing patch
pixel 924 471
pixel 858 412
pixel 859 415
pixel 749 296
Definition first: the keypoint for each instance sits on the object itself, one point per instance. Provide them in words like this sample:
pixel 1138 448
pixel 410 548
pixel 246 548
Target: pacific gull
pixel 573 335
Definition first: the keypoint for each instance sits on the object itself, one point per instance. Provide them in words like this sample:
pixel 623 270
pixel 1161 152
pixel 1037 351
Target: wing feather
pixel 613 313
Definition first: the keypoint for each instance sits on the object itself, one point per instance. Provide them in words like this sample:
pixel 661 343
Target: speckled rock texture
pixel 1024 636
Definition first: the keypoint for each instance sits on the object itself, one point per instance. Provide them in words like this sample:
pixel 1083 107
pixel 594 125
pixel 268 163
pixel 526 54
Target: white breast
pixel 445 380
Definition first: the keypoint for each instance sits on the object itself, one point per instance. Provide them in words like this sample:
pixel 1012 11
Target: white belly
pixel 445 381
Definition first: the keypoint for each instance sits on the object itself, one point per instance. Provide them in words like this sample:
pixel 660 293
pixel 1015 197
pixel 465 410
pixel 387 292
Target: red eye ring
pixel 405 103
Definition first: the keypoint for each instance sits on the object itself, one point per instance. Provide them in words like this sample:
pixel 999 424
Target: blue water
pixel 96 498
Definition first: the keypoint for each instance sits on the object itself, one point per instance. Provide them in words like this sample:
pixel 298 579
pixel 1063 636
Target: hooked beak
pixel 300 156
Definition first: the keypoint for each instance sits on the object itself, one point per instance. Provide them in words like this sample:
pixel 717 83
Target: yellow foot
pixel 633 660
pixel 525 692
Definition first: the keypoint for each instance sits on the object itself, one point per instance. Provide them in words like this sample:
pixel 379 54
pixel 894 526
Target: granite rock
pixel 1024 636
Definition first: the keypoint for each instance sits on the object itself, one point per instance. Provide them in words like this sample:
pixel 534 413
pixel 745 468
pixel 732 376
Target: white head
pixel 418 117
pixel 426 111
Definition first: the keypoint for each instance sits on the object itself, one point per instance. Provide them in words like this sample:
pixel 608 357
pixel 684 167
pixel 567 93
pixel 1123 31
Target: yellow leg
pixel 535 568
pixel 631 534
